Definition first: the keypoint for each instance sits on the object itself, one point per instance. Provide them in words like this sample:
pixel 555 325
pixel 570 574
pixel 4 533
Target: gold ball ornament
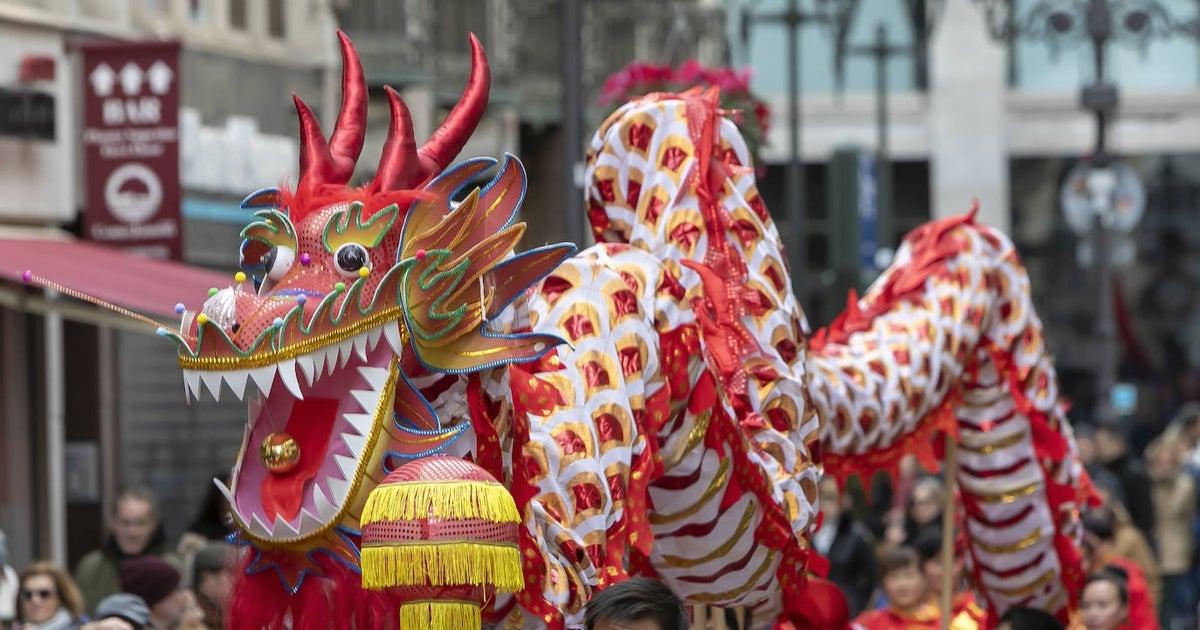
pixel 279 453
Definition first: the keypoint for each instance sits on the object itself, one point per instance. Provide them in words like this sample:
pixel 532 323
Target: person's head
pixel 126 607
pixel 1104 603
pixel 1164 457
pixel 925 503
pixel 1025 618
pixel 831 500
pixel 1110 442
pixel 156 581
pixel 929 548
pixel 1188 419
pixel 45 588
pixel 902 579
pixel 1097 538
pixel 134 520
pixel 212 572
pixel 638 603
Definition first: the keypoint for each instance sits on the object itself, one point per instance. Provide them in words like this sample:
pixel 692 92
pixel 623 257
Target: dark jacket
pixel 97 573
pixel 852 562
pixel 1136 486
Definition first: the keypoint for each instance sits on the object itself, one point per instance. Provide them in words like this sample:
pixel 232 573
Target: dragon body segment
pixel 653 403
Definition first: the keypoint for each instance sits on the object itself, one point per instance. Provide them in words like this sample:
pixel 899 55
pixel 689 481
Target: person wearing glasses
pixel 48 599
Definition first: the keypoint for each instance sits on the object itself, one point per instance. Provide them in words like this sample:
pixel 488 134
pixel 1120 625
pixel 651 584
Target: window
pixel 239 17
pixel 276 19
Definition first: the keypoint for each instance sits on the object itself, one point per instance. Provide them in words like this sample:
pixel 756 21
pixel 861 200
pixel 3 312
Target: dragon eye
pixel 278 261
pixel 350 258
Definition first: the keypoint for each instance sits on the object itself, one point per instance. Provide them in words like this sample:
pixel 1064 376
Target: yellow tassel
pixel 440 499
pixel 440 615
pixel 449 563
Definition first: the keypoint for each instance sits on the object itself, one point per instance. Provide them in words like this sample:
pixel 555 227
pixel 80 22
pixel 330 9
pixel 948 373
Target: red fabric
pixel 152 287
pixel 887 619
pixel 260 600
pixel 1141 605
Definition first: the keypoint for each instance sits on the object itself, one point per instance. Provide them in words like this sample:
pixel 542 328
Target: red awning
pixel 150 287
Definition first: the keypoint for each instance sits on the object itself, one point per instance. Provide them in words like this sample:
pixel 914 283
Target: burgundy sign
pixel 131 146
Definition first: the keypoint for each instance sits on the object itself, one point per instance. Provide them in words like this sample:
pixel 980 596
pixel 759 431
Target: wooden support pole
pixel 948 520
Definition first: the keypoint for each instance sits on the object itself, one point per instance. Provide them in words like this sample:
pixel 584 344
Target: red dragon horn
pixel 333 162
pixel 399 168
pixel 448 140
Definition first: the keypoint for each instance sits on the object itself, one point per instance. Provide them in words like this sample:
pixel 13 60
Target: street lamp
pixel 1060 23
pixel 794 19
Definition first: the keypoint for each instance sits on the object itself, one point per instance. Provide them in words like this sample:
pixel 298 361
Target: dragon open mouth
pixel 332 401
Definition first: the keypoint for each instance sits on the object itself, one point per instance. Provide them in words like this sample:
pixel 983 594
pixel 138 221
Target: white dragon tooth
pixel 225 491
pixel 376 377
pixel 283 528
pixel 360 422
pixel 318 359
pixel 191 384
pixel 374 335
pixel 237 382
pixel 263 377
pixel 325 508
pixel 331 358
pixel 347 464
pixel 367 399
pixel 345 349
pixel 309 522
pixel 338 490
pixel 391 331
pixel 287 374
pixel 357 443
pixel 257 526
pixel 212 382
pixel 360 346
pixel 307 364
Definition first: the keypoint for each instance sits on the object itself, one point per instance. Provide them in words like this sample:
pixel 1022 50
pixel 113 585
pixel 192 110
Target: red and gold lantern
pixel 441 533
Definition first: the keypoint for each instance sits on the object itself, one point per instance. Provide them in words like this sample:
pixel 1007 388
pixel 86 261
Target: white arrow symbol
pixel 131 79
pixel 102 79
pixel 159 75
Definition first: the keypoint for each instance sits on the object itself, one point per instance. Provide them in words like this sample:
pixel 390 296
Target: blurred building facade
pixel 976 119
pixel 123 414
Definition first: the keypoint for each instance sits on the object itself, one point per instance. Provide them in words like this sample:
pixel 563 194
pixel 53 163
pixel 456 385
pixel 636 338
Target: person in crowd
pixel 1102 478
pixel 848 546
pixel 212 522
pixel 157 582
pixel 925 504
pixel 212 581
pixel 1112 449
pixel 49 599
pixel 1099 556
pixel 126 608
pixel 8 585
pixel 135 531
pixel 967 613
pixel 1174 512
pixel 905 589
pixel 639 603
pixel 1129 543
pixel 1105 602
pixel 1025 618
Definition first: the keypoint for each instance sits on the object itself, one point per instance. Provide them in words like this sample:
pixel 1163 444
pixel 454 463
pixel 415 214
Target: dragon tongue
pixel 311 425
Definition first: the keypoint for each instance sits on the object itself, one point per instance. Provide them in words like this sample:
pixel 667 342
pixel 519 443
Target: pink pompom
pixel 26 275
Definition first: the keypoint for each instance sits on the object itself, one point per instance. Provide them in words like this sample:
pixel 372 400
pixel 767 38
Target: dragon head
pixel 354 292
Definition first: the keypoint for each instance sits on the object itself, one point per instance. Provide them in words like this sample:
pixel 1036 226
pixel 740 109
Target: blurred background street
pixel 871 118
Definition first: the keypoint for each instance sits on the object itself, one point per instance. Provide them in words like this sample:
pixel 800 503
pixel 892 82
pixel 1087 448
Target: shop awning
pixel 150 287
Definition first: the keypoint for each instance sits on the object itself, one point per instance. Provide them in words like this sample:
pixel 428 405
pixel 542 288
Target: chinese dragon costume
pixel 655 403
